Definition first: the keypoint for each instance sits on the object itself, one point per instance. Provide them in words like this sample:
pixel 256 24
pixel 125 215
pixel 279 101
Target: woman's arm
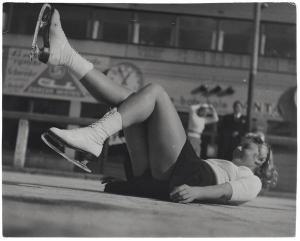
pixel 193 108
pixel 214 118
pixel 186 194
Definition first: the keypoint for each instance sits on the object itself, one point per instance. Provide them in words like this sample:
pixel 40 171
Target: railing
pixel 24 127
pixel 48 118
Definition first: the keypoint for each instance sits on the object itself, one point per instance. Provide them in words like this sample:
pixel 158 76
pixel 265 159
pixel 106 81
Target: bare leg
pixel 104 89
pixel 166 135
pixel 137 145
pixel 159 135
pixel 151 106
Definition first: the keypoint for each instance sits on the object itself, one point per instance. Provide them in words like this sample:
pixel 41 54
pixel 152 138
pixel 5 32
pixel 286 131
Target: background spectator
pixel 231 130
pixel 199 116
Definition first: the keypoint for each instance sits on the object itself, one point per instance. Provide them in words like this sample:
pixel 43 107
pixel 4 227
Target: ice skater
pixel 164 163
pixel 200 115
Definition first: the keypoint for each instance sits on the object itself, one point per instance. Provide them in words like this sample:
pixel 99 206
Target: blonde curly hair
pixel 267 172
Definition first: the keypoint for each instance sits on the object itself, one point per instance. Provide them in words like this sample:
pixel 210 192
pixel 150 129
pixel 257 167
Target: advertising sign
pixel 26 78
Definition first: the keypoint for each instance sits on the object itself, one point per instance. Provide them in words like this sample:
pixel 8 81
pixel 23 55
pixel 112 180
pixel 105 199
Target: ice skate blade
pixel 62 143
pixel 46 137
pixel 43 24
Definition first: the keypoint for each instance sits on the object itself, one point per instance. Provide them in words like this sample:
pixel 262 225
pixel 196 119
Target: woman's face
pixel 249 154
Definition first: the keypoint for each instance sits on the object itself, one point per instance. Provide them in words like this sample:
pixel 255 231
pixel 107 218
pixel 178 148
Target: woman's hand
pixel 185 194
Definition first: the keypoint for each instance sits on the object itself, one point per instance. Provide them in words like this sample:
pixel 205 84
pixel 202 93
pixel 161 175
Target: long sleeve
pixel 245 185
pixel 196 123
pixel 245 188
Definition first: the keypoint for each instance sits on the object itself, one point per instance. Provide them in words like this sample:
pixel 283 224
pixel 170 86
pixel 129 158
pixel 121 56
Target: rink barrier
pixel 24 127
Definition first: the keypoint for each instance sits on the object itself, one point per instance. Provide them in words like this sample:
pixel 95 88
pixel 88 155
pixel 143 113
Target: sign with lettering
pixel 22 77
pixel 55 81
pixel 25 78
pixel 264 100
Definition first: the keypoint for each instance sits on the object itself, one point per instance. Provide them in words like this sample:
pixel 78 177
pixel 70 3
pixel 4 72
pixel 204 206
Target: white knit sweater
pixel 245 185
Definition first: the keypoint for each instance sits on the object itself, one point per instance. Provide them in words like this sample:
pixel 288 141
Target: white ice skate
pixel 57 49
pixel 42 28
pixel 57 144
pixel 88 140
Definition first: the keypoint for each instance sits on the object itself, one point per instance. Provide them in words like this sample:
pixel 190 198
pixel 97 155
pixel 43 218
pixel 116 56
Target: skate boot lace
pixel 101 133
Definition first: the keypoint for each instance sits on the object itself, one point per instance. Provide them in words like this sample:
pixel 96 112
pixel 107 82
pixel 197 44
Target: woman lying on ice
pixel 164 163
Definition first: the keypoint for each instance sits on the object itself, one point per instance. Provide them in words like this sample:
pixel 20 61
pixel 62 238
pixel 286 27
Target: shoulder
pixel 244 171
pixel 222 163
pixel 245 188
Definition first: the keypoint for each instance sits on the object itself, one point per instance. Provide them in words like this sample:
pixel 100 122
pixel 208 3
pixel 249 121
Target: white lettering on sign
pixel 20 71
pixel 180 91
pixel 23 77
pixel 266 108
pixel 51 83
pixel 224 106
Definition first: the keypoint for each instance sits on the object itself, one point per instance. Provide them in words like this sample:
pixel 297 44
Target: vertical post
pixel 22 140
pixel 136 29
pixel 254 62
pixel 219 37
pixel 95 31
pixel 175 32
pixel 220 40
pixel 21 144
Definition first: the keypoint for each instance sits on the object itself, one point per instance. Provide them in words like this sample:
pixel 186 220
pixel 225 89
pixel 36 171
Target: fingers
pixel 187 198
pixel 178 189
pixel 181 194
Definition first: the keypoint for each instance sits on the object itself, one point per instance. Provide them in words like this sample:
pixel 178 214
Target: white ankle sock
pixel 77 64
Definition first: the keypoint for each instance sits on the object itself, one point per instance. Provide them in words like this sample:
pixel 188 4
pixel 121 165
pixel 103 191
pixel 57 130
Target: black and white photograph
pixel 149 119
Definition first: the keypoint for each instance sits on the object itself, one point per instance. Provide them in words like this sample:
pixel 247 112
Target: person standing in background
pixel 199 116
pixel 231 130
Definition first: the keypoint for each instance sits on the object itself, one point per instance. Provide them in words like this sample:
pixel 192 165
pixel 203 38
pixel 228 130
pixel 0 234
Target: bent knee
pixel 156 88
